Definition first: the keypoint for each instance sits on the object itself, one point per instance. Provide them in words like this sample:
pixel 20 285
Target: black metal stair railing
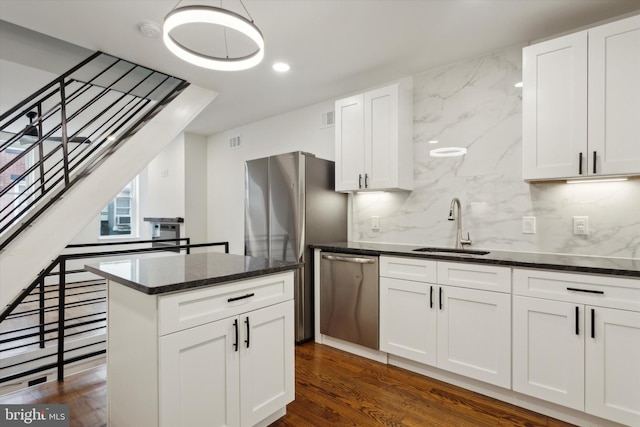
pixel 53 138
pixel 61 317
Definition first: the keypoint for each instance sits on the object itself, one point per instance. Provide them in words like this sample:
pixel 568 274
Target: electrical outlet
pixel 375 223
pixel 581 225
pixel 528 225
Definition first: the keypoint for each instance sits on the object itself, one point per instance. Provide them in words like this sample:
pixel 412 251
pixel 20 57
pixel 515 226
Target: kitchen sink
pixel 451 251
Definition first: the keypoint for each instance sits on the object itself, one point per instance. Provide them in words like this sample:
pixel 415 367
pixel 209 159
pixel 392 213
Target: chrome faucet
pixel 460 242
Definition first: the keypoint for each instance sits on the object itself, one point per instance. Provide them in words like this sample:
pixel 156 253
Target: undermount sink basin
pixel 451 251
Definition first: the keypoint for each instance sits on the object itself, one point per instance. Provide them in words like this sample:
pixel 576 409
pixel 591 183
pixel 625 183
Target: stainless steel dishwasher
pixel 349 298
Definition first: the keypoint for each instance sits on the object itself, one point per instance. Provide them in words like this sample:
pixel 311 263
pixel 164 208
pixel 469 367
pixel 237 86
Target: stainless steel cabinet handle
pixel 349 259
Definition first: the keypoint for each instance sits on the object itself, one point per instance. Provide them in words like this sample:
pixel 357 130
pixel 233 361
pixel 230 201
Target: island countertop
pixel 163 274
pixel 629 267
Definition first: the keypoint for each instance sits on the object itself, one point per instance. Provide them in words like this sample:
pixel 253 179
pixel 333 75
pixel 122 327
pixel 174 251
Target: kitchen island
pixel 201 339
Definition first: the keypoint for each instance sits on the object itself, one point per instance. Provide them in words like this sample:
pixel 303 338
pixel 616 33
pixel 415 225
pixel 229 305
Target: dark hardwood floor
pixel 333 388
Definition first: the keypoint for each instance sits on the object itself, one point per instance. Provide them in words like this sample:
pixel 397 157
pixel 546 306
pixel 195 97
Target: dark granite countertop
pixel 569 263
pixel 158 275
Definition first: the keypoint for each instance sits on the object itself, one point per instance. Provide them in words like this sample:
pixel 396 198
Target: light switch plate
pixel 581 225
pixel 528 225
pixel 375 223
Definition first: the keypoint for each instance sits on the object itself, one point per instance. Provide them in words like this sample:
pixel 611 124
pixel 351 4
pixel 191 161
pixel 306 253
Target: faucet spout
pixel 455 204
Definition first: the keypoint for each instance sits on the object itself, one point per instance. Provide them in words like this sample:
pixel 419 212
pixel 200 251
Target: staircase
pixel 69 148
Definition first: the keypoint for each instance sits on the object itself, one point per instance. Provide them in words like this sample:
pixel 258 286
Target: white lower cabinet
pixel 612 377
pixel 408 320
pixel 462 330
pixel 572 348
pixel 249 376
pixel 221 355
pixel 548 350
pixel 474 334
pixel 572 339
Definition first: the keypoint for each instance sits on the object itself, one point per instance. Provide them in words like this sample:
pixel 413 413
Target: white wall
pixel 195 188
pixel 172 185
pixel 299 130
pixel 473 104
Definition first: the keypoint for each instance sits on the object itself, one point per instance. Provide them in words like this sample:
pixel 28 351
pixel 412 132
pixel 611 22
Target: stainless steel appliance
pixel 163 229
pixel 290 203
pixel 349 307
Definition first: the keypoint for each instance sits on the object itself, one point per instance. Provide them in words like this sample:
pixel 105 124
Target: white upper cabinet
pixel 614 98
pixel 374 137
pixel 581 104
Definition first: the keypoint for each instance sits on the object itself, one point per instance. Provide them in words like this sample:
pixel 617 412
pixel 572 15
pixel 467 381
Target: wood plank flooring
pixel 333 388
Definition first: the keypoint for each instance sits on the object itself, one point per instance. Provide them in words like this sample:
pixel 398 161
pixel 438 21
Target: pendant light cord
pixel 176 6
pixel 224 31
pixel 245 9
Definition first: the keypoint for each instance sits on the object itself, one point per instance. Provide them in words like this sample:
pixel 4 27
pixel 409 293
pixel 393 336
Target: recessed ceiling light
pixel 281 67
pixel 149 29
pixel 519 84
pixel 433 141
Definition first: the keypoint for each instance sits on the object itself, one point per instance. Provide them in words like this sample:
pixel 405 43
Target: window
pixel 118 218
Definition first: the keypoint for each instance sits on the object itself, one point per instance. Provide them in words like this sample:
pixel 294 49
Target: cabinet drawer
pixel 416 269
pixel 189 309
pixel 475 276
pixel 604 291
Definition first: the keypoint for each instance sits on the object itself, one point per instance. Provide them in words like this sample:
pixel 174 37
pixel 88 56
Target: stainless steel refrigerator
pixel 290 203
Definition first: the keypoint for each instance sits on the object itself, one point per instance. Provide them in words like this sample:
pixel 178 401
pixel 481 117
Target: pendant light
pixel 216 16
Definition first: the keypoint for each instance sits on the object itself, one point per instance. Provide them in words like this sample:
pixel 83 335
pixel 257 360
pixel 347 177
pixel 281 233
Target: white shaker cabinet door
pixel 267 380
pixel 198 372
pixel 548 353
pixel 349 143
pixel 381 136
pixel 408 319
pixel 474 334
pixel 613 365
pixel 614 98
pixel 554 108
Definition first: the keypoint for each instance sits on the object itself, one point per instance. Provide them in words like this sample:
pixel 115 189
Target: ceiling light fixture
pixel 217 16
pixel 448 152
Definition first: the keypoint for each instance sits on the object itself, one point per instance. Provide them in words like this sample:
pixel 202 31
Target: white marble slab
pixel 474 104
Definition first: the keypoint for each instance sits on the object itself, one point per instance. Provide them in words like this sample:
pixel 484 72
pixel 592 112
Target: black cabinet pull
pixel 440 297
pixel 580 164
pixel 577 320
pixel 430 296
pixel 589 291
pixel 359 180
pixel 242 297
pixel 247 323
pixel 366 180
pixel 594 162
pixel 235 326
pixel 593 323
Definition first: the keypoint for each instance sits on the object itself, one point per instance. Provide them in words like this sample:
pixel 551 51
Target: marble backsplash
pixel 474 104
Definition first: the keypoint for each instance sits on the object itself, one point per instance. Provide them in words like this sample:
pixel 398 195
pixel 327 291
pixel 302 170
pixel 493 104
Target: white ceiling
pixel 335 47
